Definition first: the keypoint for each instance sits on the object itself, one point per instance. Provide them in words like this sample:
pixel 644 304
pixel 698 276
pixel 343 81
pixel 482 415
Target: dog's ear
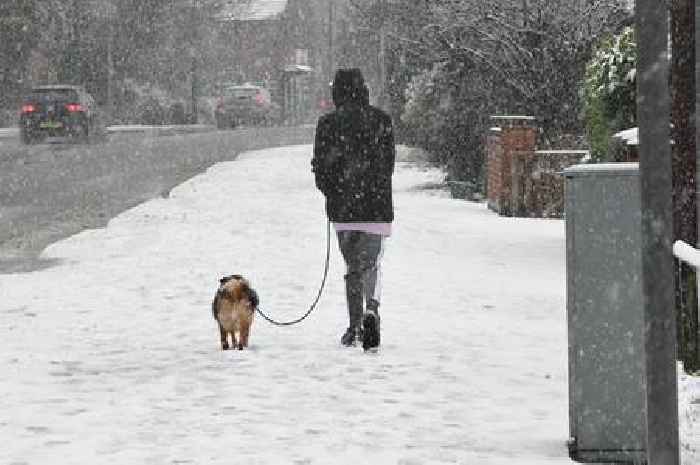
pixel 228 278
pixel 253 297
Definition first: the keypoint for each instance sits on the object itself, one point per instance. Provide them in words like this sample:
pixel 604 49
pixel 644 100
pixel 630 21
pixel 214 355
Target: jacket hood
pixel 349 86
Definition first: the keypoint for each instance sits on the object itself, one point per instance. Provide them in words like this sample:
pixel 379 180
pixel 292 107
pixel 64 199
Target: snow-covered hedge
pixel 610 91
pixel 441 115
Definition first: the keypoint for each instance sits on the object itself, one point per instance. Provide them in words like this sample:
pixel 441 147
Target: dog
pixel 234 307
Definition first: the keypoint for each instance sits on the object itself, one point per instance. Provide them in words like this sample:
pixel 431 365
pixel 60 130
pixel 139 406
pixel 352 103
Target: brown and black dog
pixel 234 306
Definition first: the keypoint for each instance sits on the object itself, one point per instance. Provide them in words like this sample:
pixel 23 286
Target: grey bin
pixel 607 401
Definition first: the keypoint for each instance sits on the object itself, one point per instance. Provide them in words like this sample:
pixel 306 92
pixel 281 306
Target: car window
pixel 45 95
pixel 240 92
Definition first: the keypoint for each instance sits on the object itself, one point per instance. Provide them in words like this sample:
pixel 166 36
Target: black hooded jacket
pixel 354 155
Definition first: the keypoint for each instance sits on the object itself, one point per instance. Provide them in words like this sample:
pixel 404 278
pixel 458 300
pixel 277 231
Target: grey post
pixel 653 111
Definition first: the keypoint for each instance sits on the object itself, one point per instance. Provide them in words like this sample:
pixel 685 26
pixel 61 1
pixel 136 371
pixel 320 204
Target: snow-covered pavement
pixel 112 356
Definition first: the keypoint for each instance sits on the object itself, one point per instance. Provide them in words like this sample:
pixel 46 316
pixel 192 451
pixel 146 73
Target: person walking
pixel 353 163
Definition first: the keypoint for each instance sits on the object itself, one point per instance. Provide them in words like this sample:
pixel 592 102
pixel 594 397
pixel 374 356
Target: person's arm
pixel 326 157
pixel 253 298
pixel 319 160
pixel 387 147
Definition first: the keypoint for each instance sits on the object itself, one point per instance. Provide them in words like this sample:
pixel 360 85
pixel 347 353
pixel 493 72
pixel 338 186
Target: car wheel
pixel 98 134
pixel 25 137
pixel 82 132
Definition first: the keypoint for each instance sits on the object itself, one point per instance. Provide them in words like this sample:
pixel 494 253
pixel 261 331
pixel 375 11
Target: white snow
pixel 616 168
pixel 562 152
pixel 687 253
pixel 252 10
pixel 629 136
pixel 112 356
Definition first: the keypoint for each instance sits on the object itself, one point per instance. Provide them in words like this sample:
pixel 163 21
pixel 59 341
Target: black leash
pixel 320 290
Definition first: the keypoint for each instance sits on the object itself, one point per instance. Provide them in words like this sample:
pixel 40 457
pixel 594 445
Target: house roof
pixel 251 10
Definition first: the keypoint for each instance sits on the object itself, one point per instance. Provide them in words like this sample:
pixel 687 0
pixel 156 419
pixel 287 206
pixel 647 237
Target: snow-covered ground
pixel 112 356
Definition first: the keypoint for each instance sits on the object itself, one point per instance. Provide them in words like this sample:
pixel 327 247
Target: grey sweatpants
pixel 362 253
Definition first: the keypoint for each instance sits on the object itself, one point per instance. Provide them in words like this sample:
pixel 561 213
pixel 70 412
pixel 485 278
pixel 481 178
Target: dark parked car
pixel 58 111
pixel 247 104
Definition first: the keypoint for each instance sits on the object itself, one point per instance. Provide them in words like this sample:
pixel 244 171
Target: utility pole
pixel 110 68
pixel 653 110
pixel 193 71
pixel 331 41
pixel 108 16
pixel 382 53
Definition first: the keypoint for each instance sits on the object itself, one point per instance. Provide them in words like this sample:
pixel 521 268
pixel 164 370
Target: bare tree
pixel 492 56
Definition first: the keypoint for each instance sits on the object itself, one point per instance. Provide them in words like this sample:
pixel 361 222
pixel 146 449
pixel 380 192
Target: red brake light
pixel 28 108
pixel 74 107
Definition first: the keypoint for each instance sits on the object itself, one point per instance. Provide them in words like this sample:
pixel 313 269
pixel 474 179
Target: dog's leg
pixel 224 338
pixel 240 344
pixel 245 331
pixel 235 344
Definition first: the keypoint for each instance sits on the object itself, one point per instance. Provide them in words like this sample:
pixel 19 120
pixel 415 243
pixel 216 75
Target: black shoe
pixel 370 325
pixel 351 337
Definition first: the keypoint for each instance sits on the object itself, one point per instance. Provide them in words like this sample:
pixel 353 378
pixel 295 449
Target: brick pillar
pixel 514 134
pixel 494 157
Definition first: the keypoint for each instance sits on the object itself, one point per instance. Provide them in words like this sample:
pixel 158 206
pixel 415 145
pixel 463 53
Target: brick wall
pixel 512 134
pixel 494 162
pixel 524 181
pixel 538 185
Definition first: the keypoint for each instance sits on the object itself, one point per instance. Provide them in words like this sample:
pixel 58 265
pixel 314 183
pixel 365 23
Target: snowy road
pixel 112 356
pixel 50 191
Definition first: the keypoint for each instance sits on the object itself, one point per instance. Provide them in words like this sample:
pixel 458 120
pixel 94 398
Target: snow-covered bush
pixel 146 103
pixel 442 116
pixel 421 116
pixel 610 91
pixel 176 113
pixel 151 112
